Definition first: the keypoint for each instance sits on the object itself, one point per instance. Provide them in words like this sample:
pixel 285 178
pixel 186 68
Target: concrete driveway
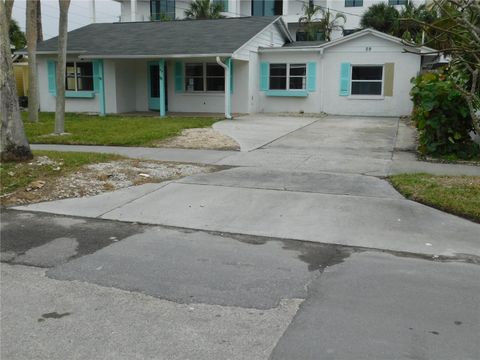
pixel 297 252
pixel 254 131
pixel 312 183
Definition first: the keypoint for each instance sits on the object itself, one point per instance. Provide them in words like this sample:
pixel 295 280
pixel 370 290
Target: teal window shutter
pixel 179 83
pixel 97 75
pixel 345 69
pixel 311 76
pixel 263 76
pixel 52 84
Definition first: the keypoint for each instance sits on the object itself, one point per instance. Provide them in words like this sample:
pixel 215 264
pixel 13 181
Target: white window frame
pixel 289 64
pixel 367 96
pixel 204 76
pixel 76 75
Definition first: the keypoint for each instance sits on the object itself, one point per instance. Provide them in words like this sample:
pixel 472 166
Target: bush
pixel 442 117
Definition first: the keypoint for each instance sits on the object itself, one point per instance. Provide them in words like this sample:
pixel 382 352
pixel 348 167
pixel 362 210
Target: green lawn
pixel 18 175
pixel 459 195
pixel 111 129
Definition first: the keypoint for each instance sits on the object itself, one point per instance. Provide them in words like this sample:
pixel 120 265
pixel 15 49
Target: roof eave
pixel 168 56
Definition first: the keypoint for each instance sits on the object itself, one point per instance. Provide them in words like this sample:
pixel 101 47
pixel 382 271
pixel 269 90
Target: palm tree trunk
pixel 8 9
pixel 32 60
pixel 61 64
pixel 13 142
pixel 39 22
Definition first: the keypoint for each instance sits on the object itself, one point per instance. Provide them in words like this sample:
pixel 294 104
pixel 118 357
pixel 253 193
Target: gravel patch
pixel 203 138
pixel 94 179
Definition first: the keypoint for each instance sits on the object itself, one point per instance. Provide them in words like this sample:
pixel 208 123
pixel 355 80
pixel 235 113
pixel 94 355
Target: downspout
pixel 228 97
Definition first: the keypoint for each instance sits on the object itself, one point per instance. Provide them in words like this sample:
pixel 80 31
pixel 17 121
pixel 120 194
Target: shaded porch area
pixel 180 86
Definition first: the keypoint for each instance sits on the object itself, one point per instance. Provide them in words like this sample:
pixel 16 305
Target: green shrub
pixel 442 117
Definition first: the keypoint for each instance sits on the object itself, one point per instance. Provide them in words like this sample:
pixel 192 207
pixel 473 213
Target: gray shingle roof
pixel 190 37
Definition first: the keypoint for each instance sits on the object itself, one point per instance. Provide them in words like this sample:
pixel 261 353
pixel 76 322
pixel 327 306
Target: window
pixel 397 2
pixel 288 76
pixel 194 77
pixel 79 76
pixel 215 77
pixel 367 80
pixel 353 3
pixel 204 77
pixel 162 9
pixel 267 7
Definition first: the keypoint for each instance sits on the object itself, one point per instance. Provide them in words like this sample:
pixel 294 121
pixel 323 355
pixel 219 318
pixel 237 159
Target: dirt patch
pixel 203 138
pixel 94 179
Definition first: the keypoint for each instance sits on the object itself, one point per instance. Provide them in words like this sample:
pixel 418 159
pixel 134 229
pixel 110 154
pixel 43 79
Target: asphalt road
pixel 96 289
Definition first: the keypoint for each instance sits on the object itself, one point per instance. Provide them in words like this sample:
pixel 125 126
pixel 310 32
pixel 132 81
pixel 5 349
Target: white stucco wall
pixel 125 78
pixel 327 97
pixel 382 51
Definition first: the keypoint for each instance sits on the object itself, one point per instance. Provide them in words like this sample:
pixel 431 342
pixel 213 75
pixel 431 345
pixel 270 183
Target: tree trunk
pixel 32 60
pixel 13 142
pixel 39 22
pixel 8 9
pixel 61 64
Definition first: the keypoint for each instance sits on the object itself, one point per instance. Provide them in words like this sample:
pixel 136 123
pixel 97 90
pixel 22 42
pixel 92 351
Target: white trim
pixel 204 78
pixel 367 96
pixel 288 64
pixel 175 56
pixel 347 38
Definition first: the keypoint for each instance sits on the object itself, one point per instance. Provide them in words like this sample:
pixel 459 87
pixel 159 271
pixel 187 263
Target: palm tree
pixel 309 22
pixel 381 17
pixel 326 23
pixel 204 9
pixel 13 142
pixel 61 64
pixel 32 60
pixel 330 23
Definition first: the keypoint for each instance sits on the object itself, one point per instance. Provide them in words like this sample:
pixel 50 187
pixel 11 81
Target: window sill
pixel 80 94
pixel 289 93
pixel 366 97
pixel 204 93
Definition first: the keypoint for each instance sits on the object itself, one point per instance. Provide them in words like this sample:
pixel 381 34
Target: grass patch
pixel 85 129
pixel 18 175
pixel 459 195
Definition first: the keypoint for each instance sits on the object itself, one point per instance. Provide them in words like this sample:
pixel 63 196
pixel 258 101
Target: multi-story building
pixel 290 10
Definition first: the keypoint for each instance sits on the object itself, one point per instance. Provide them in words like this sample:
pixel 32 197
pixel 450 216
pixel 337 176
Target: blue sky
pixel 79 14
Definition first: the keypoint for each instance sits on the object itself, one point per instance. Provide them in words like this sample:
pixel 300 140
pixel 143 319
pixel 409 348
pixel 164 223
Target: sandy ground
pixel 203 138
pixel 94 179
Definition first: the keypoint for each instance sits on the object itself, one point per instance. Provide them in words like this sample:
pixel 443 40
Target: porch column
pixel 161 86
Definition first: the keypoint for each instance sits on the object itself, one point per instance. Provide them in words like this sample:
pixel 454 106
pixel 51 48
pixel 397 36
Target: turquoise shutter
pixel 311 76
pixel 231 76
pixel 52 84
pixel 263 76
pixel 345 69
pixel 97 75
pixel 179 83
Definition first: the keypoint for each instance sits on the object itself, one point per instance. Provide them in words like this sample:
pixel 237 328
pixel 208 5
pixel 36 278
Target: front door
pixel 154 87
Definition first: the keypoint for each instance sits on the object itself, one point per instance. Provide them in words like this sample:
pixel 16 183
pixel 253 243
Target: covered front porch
pixel 173 85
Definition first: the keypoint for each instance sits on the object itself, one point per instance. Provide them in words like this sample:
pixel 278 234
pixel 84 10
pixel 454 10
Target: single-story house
pixel 232 65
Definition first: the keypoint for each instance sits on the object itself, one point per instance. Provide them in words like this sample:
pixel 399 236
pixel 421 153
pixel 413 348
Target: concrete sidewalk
pixel 341 209
pixel 268 159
